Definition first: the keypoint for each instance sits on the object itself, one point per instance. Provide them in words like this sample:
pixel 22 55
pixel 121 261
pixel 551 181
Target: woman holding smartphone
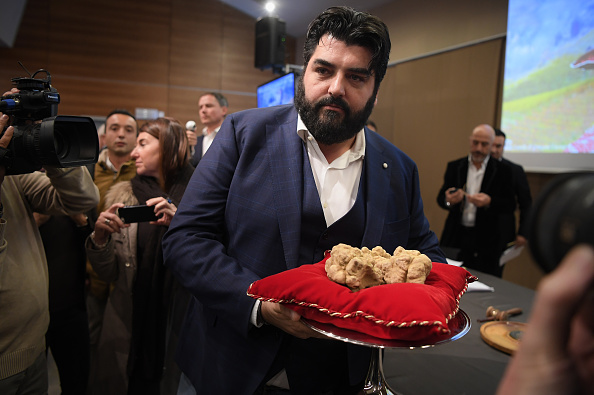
pixel 131 354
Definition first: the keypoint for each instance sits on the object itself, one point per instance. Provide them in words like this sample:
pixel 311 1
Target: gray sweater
pixel 24 311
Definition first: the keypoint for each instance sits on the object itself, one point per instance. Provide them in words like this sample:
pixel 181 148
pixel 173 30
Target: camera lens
pixel 562 217
pixel 60 144
pixel 69 141
pixel 61 141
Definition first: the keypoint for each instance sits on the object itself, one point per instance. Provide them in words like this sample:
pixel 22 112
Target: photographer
pixel 23 267
pixel 140 324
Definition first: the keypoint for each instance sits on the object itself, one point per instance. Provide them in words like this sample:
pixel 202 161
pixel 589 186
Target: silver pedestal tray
pixel 375 383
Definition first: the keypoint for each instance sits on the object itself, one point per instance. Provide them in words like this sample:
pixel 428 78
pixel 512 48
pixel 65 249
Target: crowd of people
pixel 160 306
pixel 104 303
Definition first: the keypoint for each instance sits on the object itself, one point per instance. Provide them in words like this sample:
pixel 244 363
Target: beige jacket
pixel 116 263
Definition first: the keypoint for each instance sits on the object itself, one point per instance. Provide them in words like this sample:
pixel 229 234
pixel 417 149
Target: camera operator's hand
pixel 10 92
pixel 4 141
pixel 108 223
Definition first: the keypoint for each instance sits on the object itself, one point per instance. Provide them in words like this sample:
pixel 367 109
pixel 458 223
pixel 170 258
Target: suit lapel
pixel 378 171
pixel 490 172
pixel 285 151
pixel 462 173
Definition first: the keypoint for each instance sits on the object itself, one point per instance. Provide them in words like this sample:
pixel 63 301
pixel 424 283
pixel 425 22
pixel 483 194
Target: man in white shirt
pixel 213 107
pixel 476 192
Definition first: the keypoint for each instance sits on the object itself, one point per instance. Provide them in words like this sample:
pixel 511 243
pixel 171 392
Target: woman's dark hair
pixel 174 148
pixel 354 28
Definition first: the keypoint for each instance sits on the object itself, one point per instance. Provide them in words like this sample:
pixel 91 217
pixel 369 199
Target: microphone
pixel 191 125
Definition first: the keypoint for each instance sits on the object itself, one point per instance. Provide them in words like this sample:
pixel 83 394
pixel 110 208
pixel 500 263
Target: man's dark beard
pixel 326 125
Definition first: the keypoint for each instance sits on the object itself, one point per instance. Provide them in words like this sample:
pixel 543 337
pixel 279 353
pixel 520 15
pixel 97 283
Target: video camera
pixel 562 217
pixel 58 140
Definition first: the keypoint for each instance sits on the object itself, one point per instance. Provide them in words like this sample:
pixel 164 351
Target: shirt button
pixel 127 264
pixel 385 165
pixel 325 205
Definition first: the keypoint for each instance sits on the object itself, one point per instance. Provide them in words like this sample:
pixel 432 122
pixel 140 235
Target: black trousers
pixel 316 367
pixel 68 339
pixel 479 254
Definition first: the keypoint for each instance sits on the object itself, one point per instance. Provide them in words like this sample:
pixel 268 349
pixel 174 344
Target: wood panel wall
pixel 429 106
pixel 159 54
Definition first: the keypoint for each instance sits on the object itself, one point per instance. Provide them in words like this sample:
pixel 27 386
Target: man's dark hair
pixel 121 111
pixel 220 98
pixel 499 132
pixel 353 28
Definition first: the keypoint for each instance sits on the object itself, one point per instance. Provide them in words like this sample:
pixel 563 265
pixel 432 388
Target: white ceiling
pixel 299 13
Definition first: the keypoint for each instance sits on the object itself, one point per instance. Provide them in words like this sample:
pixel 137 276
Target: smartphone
pixel 141 213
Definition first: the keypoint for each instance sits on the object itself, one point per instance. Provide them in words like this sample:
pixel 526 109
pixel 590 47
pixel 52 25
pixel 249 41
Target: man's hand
pixel 480 199
pixel 454 195
pixel 41 219
pixel 286 319
pixel 192 137
pixel 556 355
pixel 521 241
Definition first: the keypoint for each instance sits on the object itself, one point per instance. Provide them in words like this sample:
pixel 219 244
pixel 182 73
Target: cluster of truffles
pixel 363 268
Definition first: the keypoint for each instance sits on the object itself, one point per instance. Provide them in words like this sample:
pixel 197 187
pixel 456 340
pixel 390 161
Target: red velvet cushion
pixel 392 311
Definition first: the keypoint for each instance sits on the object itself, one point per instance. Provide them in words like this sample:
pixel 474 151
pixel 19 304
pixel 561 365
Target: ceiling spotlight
pixel 269 6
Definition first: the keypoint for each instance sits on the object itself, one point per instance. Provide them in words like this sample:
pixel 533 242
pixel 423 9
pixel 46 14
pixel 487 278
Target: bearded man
pixel 280 186
pixel 478 194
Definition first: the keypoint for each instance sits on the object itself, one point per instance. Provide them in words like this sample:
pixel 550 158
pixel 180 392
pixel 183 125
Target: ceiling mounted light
pixel 269 7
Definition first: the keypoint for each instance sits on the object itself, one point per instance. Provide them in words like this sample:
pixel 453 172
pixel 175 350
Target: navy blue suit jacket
pixel 239 221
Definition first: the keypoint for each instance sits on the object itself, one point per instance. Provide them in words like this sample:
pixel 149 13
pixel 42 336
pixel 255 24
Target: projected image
pixel 278 91
pixel 548 98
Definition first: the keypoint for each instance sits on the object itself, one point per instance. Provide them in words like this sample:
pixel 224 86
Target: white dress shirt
pixel 208 138
pixel 474 179
pixel 337 182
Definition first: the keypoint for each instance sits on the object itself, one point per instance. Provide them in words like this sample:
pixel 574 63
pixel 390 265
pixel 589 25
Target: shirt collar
pixel 205 131
pixel 483 165
pixel 357 151
pixel 109 164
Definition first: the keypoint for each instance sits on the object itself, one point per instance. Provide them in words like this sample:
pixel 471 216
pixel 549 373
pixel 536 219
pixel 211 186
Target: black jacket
pixel 497 183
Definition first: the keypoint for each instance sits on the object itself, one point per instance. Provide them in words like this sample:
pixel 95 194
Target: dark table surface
pixel 466 366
